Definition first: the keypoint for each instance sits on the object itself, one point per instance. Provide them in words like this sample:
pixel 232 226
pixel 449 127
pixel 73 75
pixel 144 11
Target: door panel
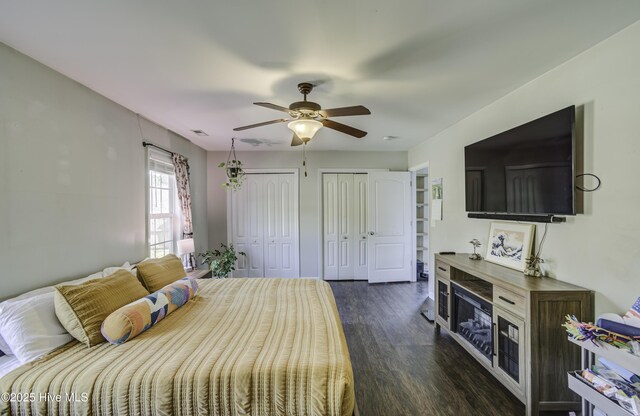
pixel 239 222
pixel 389 245
pixel 255 221
pixel 360 266
pixel 345 226
pixel 288 223
pixel 330 225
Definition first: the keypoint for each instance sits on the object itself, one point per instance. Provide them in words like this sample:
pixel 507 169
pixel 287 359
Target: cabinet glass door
pixel 509 348
pixel 443 300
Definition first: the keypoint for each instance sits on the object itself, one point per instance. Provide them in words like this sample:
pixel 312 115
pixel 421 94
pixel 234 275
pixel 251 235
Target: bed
pixel 241 347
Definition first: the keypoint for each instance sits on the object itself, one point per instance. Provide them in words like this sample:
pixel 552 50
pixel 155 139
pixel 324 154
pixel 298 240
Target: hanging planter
pixel 233 169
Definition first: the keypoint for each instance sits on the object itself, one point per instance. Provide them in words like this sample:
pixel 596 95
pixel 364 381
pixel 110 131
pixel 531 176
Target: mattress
pixel 241 347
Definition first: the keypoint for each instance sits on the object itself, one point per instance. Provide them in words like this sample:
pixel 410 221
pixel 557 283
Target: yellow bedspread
pixel 241 347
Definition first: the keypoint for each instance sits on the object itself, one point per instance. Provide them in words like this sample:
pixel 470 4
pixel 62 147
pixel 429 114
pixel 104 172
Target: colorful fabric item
pixel 634 312
pixel 584 331
pixel 133 319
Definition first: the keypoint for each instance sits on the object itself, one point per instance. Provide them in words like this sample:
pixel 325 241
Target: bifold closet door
pixel 280 226
pixel 345 226
pixel 264 221
pixel 247 227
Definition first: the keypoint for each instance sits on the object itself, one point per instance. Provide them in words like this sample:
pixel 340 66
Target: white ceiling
pixel 418 65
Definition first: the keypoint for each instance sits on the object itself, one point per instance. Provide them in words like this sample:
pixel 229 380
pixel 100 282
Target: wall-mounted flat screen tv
pixel 526 170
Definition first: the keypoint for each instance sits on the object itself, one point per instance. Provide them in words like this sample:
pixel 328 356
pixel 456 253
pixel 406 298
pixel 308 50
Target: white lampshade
pixel 305 128
pixel 186 246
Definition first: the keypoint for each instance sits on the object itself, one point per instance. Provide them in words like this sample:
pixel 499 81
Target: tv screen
pixel 526 170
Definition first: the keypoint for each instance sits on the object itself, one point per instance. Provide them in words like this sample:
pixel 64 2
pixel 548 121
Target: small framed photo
pixel 510 244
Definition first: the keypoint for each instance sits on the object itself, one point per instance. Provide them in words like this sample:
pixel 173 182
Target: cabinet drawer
pixel 443 269
pixel 509 300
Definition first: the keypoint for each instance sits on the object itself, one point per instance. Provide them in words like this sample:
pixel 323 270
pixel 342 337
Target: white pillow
pixel 111 270
pixel 30 327
pixel 5 345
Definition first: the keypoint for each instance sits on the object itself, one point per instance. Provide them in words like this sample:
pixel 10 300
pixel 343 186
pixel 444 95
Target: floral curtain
pixel 181 166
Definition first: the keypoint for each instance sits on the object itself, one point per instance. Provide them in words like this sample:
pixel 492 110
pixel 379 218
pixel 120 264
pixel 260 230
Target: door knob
pixel 371 233
pixel 345 238
pixel 364 237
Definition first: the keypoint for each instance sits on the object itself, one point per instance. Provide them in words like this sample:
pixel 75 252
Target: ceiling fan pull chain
pixel 304 158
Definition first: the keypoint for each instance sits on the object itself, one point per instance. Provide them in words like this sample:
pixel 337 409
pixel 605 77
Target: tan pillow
pixel 157 273
pixel 81 309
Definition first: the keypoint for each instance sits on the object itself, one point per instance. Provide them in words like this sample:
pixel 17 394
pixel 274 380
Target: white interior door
pixel 281 224
pixel 360 265
pixel 330 225
pixel 389 244
pixel 345 227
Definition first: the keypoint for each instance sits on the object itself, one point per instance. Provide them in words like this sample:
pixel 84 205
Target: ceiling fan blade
pixel 296 141
pixel 273 107
pixel 343 128
pixel 356 110
pixel 250 126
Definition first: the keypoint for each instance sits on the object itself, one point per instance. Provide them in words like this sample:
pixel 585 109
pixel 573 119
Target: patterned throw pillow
pixel 133 319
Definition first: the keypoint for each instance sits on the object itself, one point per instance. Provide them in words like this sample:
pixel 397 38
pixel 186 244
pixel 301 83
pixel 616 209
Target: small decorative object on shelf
pixel 532 266
pixel 222 262
pixel 583 331
pixel 475 243
pixel 233 169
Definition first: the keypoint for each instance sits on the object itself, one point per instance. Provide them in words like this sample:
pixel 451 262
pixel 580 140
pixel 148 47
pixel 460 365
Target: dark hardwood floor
pixel 402 366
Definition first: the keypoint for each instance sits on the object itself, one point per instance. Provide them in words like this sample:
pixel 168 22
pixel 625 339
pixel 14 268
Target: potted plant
pixel 221 262
pixel 233 169
pixel 235 173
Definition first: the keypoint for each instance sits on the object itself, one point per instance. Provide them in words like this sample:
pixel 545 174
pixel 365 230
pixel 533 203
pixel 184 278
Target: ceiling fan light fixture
pixel 305 128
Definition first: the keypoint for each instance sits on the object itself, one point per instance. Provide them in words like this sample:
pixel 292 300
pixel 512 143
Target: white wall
pixel 72 178
pixel 309 209
pixel 599 249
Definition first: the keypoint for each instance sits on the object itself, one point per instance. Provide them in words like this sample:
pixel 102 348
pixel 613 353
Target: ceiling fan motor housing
pixel 305 106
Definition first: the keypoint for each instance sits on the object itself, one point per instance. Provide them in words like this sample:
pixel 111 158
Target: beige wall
pixel 309 189
pixel 599 249
pixel 72 178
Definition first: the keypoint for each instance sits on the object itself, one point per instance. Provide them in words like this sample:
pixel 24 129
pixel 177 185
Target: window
pixel 163 211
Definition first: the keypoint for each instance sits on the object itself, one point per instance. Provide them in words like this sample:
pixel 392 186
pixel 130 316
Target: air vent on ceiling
pixel 199 132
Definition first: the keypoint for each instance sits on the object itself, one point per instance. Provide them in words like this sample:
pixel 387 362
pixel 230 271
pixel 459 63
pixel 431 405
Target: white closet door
pixel 288 230
pixel 253 186
pixel 240 230
pixel 280 195
pixel 360 265
pixel 246 225
pixel 330 224
pixel 389 244
pixel 345 227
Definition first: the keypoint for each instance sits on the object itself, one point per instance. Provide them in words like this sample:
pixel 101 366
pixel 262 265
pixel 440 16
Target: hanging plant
pixel 233 169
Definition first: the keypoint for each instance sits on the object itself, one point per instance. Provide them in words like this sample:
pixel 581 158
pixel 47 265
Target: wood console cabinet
pixel 529 352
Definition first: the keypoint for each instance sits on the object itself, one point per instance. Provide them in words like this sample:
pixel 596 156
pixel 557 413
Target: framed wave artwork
pixel 510 244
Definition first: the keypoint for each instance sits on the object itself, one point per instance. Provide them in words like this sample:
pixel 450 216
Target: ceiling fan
pixel 307 117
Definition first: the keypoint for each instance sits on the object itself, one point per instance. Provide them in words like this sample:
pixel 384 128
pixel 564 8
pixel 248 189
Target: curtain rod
pixel 145 144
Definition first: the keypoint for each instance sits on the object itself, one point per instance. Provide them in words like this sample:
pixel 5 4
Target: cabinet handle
pixel 495 339
pixel 442 268
pixel 507 300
